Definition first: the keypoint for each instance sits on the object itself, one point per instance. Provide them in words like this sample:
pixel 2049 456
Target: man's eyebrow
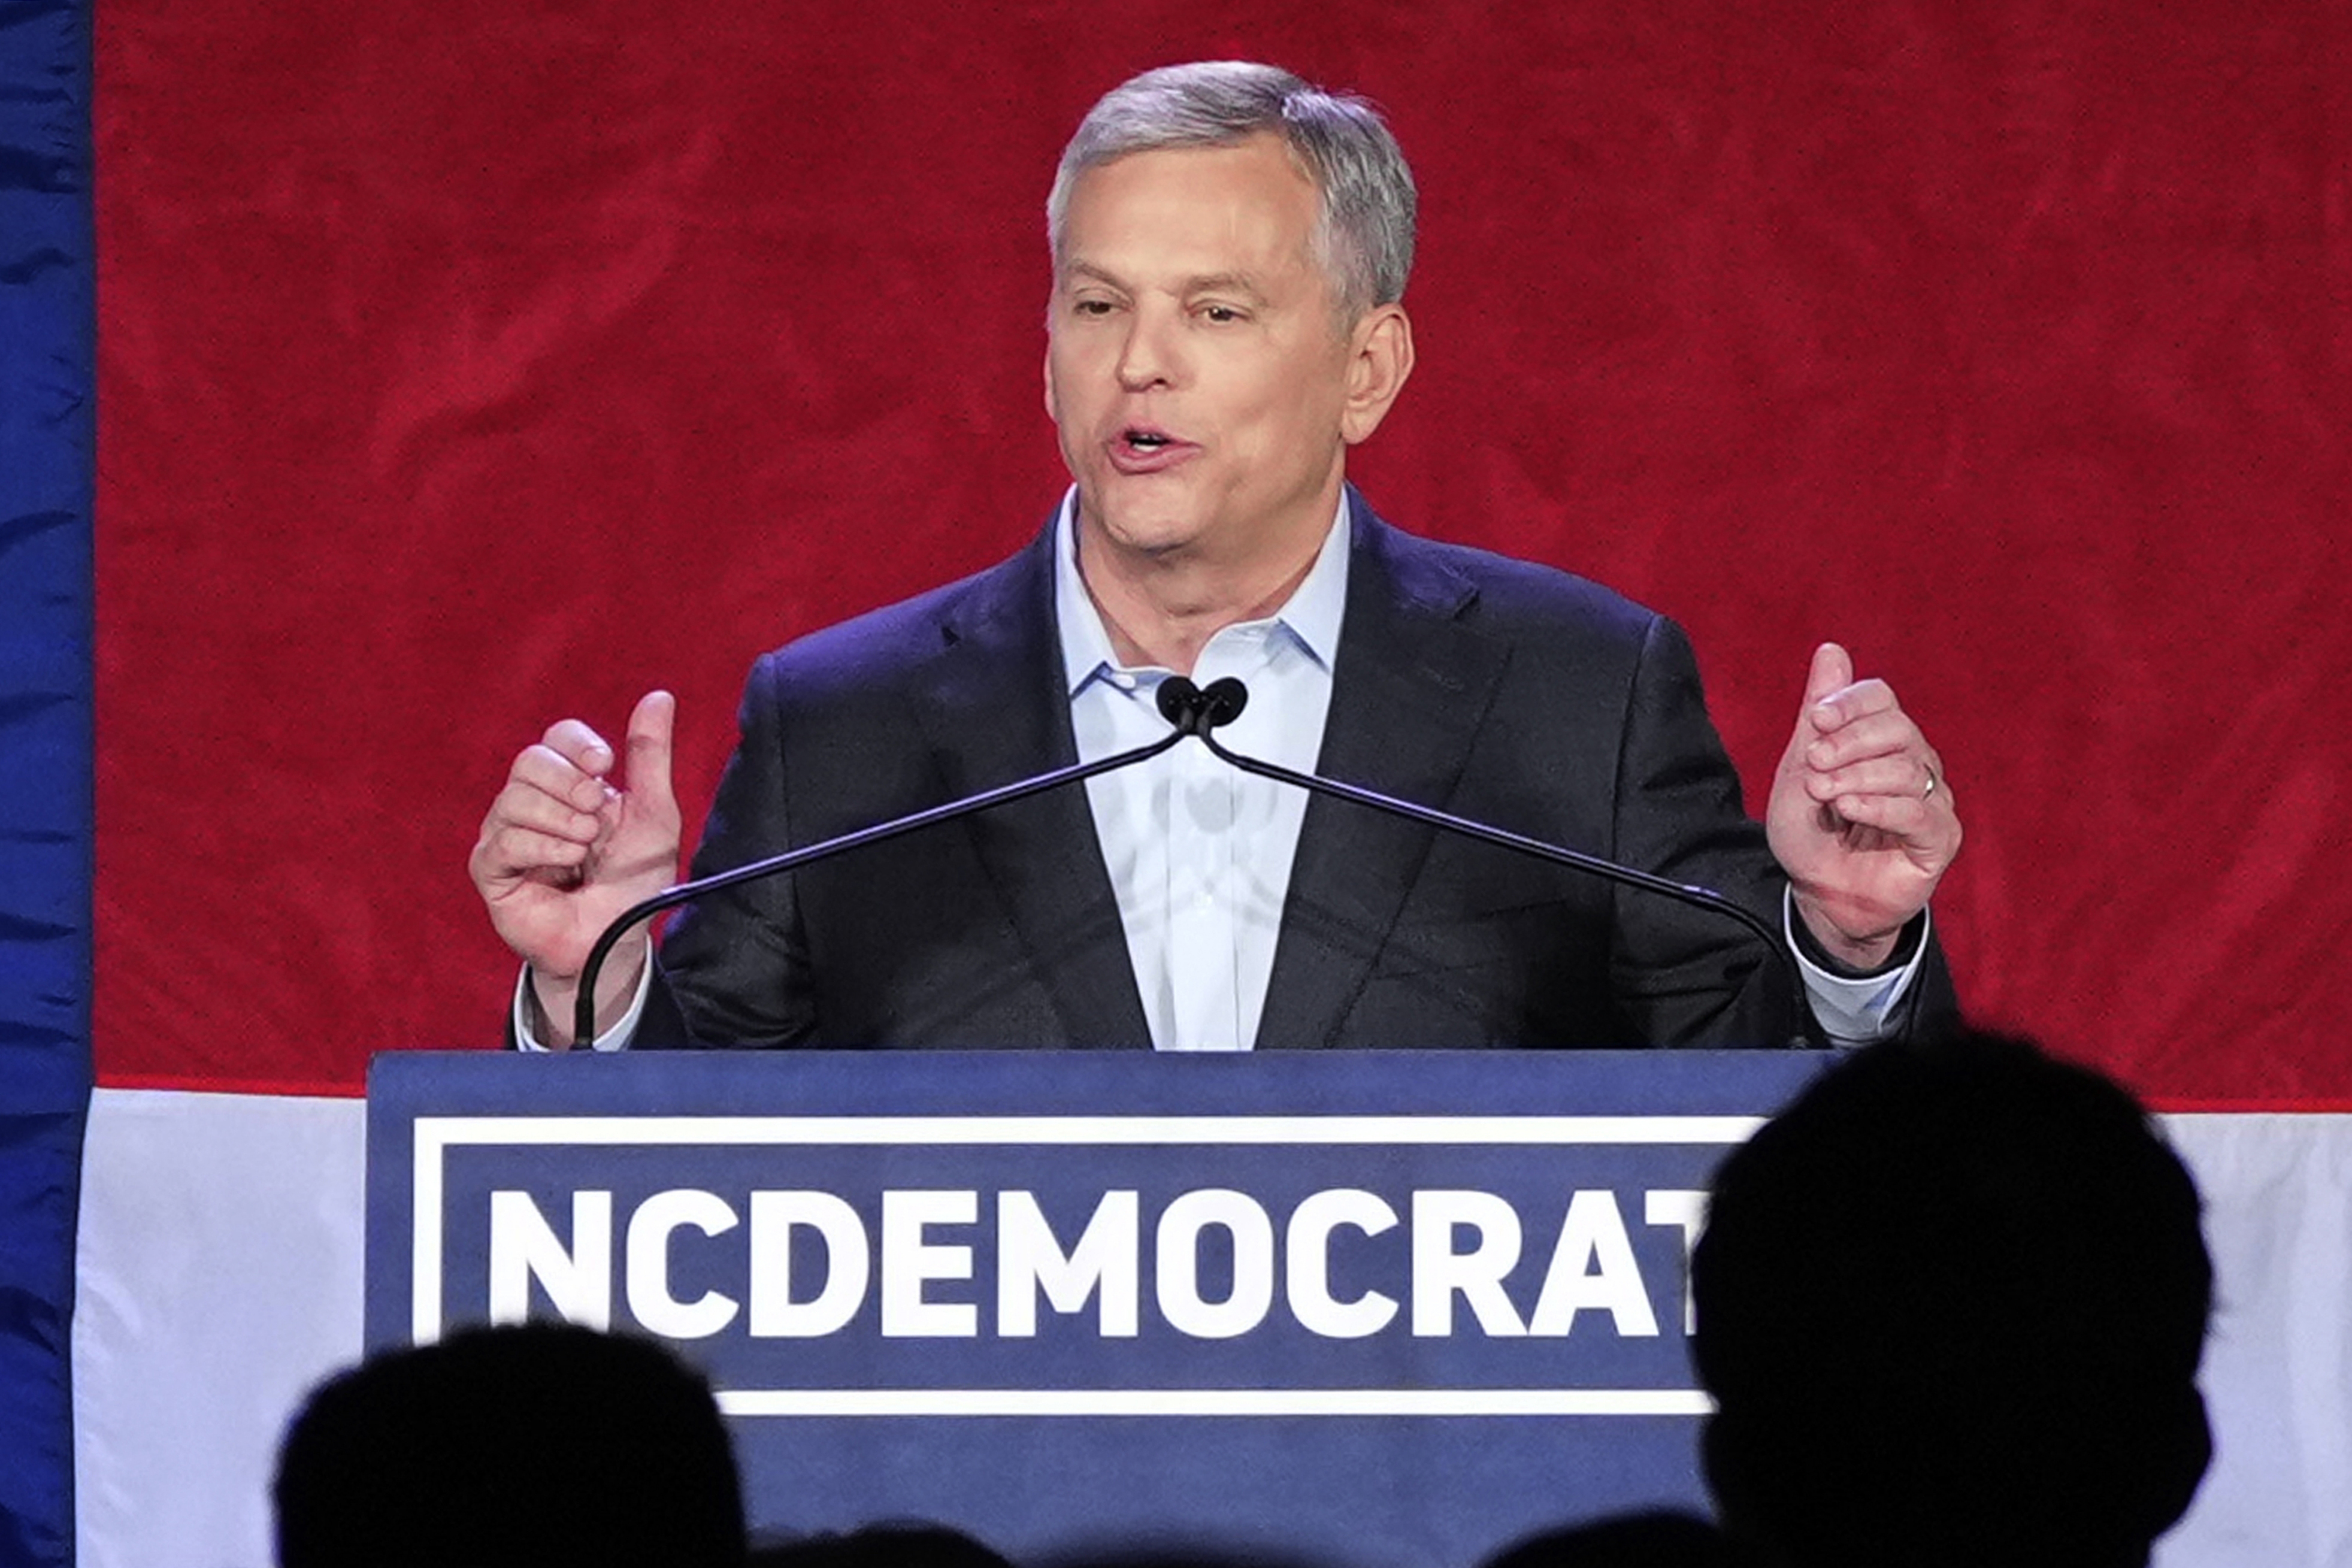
pixel 1072 269
pixel 1241 283
pixel 1226 283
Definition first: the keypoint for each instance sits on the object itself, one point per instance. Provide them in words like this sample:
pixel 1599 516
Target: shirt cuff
pixel 615 1039
pixel 1853 1010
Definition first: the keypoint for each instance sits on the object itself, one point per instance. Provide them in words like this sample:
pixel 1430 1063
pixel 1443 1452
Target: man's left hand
pixel 1861 815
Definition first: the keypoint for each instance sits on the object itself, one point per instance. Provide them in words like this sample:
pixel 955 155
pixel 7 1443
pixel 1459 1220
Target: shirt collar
pixel 1311 614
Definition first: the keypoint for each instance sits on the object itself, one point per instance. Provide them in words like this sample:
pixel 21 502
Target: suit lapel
pixel 1410 688
pixel 997 713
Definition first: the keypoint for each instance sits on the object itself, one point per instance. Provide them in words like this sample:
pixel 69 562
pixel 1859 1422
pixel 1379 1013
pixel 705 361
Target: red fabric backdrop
pixel 467 366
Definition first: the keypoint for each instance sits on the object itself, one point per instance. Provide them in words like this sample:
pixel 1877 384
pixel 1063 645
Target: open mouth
pixel 1142 449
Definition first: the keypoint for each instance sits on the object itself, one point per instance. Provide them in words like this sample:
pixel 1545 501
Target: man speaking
pixel 1229 248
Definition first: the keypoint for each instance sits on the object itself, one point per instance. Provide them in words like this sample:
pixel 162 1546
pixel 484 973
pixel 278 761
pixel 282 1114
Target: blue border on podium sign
pixel 1376 1308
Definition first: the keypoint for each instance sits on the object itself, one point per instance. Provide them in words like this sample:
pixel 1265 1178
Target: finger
pixel 522 806
pixel 1907 817
pixel 1890 733
pixel 511 854
pixel 1833 669
pixel 1900 776
pixel 652 725
pixel 578 744
pixel 1860 701
pixel 543 769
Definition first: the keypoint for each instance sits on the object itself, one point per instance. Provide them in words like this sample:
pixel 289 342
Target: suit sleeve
pixel 733 968
pixel 1689 979
pixel 1685 976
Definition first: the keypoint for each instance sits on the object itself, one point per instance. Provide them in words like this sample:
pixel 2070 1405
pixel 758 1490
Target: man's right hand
pixel 564 850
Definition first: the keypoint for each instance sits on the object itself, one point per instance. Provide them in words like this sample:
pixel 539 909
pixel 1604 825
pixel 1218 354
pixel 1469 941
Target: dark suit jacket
pixel 1497 690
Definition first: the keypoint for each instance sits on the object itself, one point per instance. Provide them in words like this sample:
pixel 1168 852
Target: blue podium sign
pixel 1377 1307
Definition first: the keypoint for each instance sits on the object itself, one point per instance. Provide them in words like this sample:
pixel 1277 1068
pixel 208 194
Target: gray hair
pixel 1364 238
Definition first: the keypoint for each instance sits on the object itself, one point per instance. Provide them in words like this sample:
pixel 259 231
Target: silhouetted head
pixel 510 1446
pixel 1160 1550
pixel 1656 1539
pixel 1950 1305
pixel 891 1543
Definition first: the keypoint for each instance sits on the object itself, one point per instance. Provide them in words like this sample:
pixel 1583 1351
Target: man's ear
pixel 2180 1454
pixel 1742 1492
pixel 1380 358
pixel 1050 412
pixel 1726 1476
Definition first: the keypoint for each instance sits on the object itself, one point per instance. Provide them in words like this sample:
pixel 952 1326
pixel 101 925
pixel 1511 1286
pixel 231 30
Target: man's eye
pixel 1092 308
pixel 1221 313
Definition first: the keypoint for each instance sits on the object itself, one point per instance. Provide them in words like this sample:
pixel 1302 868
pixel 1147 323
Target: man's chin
pixel 1154 532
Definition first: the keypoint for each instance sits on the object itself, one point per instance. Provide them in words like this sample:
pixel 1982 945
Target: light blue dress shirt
pixel 1200 852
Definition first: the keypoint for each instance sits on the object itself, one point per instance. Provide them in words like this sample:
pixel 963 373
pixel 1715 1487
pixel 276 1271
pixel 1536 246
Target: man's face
pixel 1194 363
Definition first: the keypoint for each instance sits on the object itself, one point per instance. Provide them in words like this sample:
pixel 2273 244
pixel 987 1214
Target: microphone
pixel 1195 712
pixel 1194 706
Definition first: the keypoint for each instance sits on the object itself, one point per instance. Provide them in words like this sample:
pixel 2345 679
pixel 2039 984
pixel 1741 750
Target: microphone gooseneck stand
pixel 1200 710
pixel 584 1010
pixel 1191 711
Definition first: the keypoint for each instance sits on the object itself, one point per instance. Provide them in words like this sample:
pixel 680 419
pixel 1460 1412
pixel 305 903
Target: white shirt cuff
pixel 1851 1012
pixel 615 1039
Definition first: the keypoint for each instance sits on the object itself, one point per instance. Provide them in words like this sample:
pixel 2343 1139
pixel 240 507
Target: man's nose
pixel 1149 357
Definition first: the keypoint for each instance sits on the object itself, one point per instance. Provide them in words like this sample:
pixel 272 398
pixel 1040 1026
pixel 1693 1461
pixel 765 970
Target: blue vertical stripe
pixel 48 285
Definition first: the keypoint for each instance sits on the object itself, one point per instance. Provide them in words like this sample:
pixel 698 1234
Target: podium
pixel 1379 1309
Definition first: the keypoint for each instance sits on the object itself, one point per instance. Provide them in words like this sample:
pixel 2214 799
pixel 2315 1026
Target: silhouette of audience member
pixel 1950 1305
pixel 891 1543
pixel 537 1443
pixel 1660 1539
pixel 1160 1549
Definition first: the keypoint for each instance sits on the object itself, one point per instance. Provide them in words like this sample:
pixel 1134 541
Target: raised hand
pixel 568 845
pixel 1861 815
